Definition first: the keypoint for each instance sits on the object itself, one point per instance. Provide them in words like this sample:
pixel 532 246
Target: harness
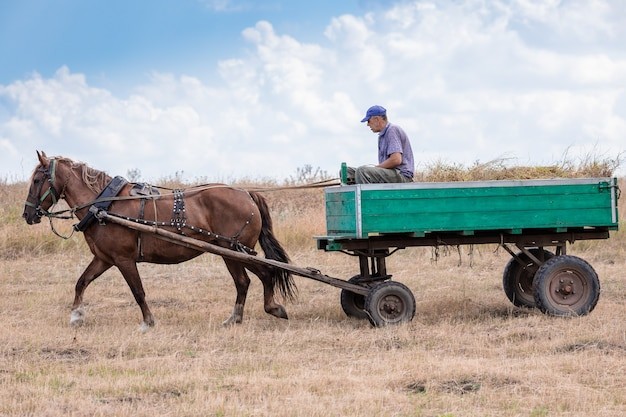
pixel 178 212
pixel 233 242
pixel 178 219
pixel 102 202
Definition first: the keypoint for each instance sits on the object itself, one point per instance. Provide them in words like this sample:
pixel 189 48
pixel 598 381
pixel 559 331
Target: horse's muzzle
pixel 31 216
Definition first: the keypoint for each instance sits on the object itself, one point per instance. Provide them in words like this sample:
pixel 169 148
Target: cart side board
pixel 490 209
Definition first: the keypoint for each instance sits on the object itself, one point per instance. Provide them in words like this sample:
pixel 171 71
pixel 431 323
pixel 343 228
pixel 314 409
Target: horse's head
pixel 43 192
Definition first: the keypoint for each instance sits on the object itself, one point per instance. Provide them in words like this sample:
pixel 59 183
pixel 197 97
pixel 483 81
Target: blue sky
pixel 117 42
pixel 220 90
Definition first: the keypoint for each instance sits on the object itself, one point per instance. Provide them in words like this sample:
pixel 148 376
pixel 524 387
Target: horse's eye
pixel 36 180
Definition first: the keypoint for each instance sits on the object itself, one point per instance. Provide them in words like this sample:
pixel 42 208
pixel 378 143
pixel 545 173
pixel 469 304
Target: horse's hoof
pixel 77 317
pixel 278 311
pixel 145 327
pixel 231 321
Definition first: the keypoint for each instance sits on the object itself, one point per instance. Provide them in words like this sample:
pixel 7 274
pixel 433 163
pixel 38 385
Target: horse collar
pixel 102 202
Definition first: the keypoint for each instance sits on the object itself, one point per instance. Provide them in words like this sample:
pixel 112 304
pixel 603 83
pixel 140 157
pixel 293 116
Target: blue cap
pixel 374 111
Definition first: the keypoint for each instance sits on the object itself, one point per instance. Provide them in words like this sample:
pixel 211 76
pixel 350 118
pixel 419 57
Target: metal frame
pixel 373 250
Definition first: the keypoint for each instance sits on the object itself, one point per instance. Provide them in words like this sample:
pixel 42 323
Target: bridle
pixel 49 177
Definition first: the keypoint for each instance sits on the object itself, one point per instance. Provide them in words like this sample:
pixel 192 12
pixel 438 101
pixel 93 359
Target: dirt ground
pixel 468 352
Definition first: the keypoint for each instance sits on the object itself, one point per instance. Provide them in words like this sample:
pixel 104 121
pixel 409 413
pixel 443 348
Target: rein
pixel 49 175
pixel 193 189
pixel 317 184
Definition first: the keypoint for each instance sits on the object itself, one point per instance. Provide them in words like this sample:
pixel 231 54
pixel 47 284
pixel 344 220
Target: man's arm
pixel 393 161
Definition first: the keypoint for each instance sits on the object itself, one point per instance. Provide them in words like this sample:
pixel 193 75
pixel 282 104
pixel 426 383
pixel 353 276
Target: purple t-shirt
pixel 393 139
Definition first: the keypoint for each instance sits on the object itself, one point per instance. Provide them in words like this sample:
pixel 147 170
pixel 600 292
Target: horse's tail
pixel 273 250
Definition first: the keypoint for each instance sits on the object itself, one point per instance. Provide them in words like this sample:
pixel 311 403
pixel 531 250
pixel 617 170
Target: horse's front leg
pixel 128 268
pixel 95 268
pixel 242 282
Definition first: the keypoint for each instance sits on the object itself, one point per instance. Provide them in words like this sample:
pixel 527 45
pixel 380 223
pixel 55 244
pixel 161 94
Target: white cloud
pixel 467 80
pixel 583 19
pixel 224 5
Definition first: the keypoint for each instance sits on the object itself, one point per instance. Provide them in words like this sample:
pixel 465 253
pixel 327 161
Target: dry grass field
pixel 468 352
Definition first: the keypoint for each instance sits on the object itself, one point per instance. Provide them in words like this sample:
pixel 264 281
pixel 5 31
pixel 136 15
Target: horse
pixel 229 217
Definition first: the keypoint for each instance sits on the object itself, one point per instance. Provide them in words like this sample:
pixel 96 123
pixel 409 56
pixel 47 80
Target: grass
pixel 468 352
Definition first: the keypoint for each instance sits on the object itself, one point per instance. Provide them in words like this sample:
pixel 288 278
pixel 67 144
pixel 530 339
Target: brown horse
pixel 219 214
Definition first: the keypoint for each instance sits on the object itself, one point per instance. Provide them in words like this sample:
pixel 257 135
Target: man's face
pixel 376 123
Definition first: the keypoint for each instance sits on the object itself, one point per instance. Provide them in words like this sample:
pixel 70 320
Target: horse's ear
pixel 43 159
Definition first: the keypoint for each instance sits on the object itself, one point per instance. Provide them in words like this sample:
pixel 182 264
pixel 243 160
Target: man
pixel 395 156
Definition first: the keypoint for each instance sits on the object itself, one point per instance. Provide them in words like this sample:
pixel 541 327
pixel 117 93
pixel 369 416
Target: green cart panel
pixel 362 210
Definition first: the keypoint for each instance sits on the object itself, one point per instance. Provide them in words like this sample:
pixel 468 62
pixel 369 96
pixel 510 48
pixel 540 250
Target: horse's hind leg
pixel 242 282
pixel 95 268
pixel 128 268
pixel 270 305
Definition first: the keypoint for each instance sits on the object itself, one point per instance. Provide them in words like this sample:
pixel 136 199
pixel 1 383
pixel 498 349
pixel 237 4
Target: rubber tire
pixel 517 280
pixel 353 304
pixel 566 269
pixel 390 303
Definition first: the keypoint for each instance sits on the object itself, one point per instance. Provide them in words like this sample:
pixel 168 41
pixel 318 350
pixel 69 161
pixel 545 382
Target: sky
pixel 221 90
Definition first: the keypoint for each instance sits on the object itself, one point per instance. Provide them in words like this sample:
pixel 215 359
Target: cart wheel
pixel 389 303
pixel 353 304
pixel 517 279
pixel 566 286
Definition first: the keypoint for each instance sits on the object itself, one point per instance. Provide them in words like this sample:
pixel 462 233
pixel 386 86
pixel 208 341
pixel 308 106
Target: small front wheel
pixel 353 304
pixel 566 286
pixel 389 303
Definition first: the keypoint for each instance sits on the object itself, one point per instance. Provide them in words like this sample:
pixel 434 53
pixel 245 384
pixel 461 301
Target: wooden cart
pixel 525 217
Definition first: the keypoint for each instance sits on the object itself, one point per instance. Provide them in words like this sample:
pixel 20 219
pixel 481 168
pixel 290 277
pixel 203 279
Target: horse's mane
pixel 94 179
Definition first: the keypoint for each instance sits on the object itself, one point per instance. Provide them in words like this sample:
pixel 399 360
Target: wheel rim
pixel 524 281
pixel 390 303
pixel 568 289
pixel 391 308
